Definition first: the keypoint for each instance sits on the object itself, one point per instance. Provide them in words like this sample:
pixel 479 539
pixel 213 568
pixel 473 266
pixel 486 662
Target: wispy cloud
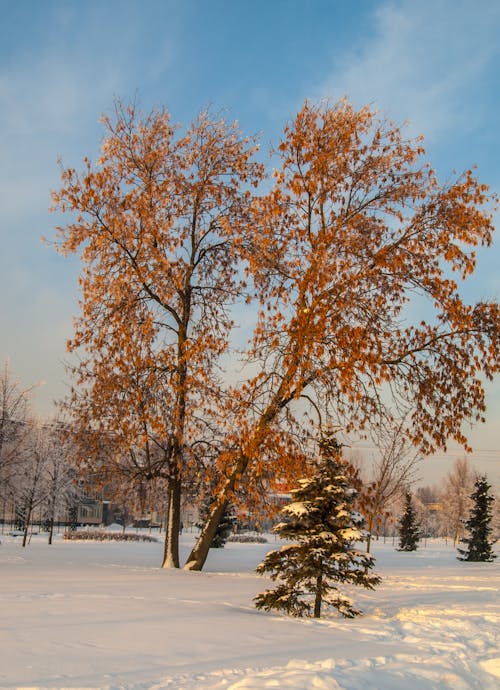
pixel 422 62
pixel 55 80
pixel 433 64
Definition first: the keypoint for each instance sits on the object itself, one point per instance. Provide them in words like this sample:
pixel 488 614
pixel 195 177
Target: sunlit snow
pixel 297 508
pixel 103 615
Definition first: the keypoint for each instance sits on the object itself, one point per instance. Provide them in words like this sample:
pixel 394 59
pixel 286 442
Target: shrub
pixel 248 538
pixel 101 535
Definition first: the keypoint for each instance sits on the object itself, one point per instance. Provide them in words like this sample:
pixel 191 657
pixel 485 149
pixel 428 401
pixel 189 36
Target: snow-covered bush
pixel 100 535
pixel 247 538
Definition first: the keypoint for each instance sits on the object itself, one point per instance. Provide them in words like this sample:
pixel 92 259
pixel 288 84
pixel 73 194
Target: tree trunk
pixel 51 518
pixel 318 597
pixel 199 553
pixel 369 527
pixel 171 548
pixel 27 523
pixel 172 528
pixel 51 530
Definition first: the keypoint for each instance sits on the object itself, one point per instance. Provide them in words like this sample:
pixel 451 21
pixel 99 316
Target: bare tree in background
pixel 427 501
pixel 14 429
pixel 392 472
pixel 30 489
pixel 456 497
pixel 60 473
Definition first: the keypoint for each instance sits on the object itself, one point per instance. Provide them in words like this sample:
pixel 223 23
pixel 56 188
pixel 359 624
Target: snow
pixel 349 533
pixel 104 615
pixel 114 527
pixel 297 508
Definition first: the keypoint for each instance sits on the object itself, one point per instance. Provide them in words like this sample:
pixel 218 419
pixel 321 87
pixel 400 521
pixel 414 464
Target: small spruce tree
pixel 409 531
pixel 324 527
pixel 479 546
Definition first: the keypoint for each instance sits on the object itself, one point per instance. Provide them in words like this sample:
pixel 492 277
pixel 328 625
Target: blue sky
pixel 433 63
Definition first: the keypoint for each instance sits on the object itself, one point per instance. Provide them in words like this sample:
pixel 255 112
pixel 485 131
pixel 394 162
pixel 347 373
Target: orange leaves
pixel 158 221
pixel 354 225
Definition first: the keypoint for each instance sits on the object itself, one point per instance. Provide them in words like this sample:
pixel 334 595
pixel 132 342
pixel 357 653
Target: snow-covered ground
pixel 103 615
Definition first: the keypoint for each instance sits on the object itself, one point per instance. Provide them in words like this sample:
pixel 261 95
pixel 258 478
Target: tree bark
pixel 171 549
pixel 51 530
pixel 318 597
pixel 27 523
pixel 52 514
pixel 368 541
pixel 171 546
pixel 199 553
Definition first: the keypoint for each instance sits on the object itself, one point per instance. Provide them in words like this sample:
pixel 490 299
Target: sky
pixel 433 64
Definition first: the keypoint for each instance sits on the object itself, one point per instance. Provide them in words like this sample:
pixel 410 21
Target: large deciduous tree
pixel 155 220
pixel 355 227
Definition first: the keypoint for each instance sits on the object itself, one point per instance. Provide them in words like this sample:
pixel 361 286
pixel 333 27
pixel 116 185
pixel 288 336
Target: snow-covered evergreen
pixel 409 530
pixel 321 521
pixel 478 543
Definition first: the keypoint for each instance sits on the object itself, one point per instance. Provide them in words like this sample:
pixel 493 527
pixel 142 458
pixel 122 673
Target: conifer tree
pixel 409 532
pixel 321 521
pixel 478 543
